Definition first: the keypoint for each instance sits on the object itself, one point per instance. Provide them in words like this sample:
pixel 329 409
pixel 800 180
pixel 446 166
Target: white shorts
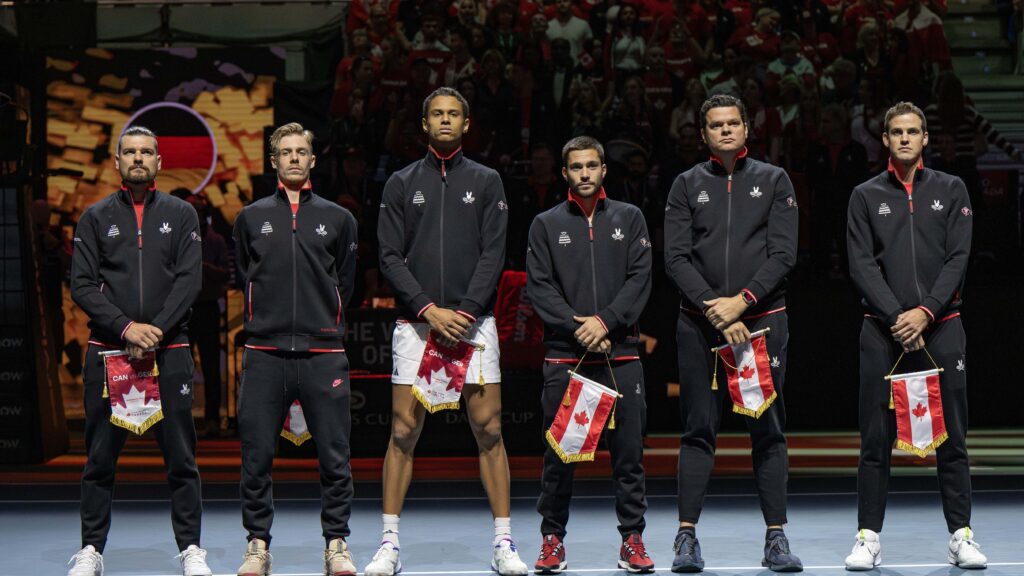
pixel 410 338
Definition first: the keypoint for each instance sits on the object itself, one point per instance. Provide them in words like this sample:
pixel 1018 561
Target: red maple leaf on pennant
pixel 919 411
pixel 747 372
pixel 582 419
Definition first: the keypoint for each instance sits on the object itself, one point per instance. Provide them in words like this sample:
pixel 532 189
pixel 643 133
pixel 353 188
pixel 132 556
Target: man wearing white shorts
pixel 442 246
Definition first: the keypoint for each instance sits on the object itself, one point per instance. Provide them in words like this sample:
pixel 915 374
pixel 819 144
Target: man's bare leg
pixel 407 415
pixel 483 405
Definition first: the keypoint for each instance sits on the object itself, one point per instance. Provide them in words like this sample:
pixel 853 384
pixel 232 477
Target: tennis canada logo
pixel 418 198
pixel 884 210
pixel 564 239
pixel 266 228
pixel 703 197
pixel 113 231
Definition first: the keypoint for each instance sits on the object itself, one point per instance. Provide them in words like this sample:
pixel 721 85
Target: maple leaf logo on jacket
pixel 747 372
pixel 919 411
pixel 582 419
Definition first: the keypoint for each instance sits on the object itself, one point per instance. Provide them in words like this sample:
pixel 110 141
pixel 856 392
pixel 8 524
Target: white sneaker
pixel 867 551
pixel 506 560
pixel 193 562
pixel 88 562
pixel 385 562
pixel 964 552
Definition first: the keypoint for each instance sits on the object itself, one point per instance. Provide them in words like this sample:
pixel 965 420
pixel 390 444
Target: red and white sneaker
pixel 633 556
pixel 552 556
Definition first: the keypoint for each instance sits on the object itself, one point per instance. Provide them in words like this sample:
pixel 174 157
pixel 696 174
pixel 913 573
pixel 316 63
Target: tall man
pixel 135 271
pixel 441 232
pixel 589 269
pixel 730 241
pixel 297 256
pixel 909 266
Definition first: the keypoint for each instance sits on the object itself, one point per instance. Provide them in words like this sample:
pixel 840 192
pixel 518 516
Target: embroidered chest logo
pixel 321 230
pixel 937 206
pixel 756 192
pixel 703 197
pixel 113 231
pixel 502 205
pixel 966 211
pixel 564 239
pixel 884 210
pixel 266 228
pixel 196 237
pixel 166 228
pixel 353 247
pixel 184 389
pixel 417 198
pixel 645 242
pixel 791 202
pixel 468 198
pixel 618 234
pixel 775 362
pixel 960 367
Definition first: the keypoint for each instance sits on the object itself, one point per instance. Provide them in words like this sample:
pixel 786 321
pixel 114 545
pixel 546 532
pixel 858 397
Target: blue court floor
pixel 452 534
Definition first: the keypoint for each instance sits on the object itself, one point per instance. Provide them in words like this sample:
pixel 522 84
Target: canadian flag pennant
pixel 134 390
pixel 920 427
pixel 442 374
pixel 295 429
pixel 580 418
pixel 749 372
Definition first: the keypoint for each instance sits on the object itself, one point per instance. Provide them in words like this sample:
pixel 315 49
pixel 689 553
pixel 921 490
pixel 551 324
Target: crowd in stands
pixel 817 77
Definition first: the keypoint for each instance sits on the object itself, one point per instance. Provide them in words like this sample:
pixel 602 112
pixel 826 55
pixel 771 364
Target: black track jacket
pixel 442 235
pixel 910 249
pixel 600 268
pixel 122 272
pixel 726 234
pixel 299 271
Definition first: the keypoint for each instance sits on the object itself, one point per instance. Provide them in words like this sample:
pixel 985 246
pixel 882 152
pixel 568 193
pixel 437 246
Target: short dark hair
pixel 137 130
pixel 446 91
pixel 581 143
pixel 901 108
pixel 721 101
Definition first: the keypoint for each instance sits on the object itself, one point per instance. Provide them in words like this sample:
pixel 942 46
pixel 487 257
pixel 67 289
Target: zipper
pixel 728 228
pixel 250 301
pixel 913 248
pixel 138 229
pixel 337 320
pixel 444 189
pixel 593 270
pixel 295 280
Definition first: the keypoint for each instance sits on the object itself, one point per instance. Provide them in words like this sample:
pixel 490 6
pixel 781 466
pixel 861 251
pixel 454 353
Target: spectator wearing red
pixel 466 13
pixel 759 42
pixel 383 27
pixel 858 15
pixel 568 26
pixel 393 77
pixel 591 65
pixel 742 11
pixel 871 57
pixel 359 12
pixel 536 37
pixel 764 135
pixel 925 35
pixel 360 77
pixel 525 9
pixel 428 45
pixel 662 89
pixel 682 52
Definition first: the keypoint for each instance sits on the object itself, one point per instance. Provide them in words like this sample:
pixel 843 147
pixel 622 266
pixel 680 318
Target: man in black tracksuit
pixel 909 237
pixel 135 271
pixel 441 232
pixel 296 254
pixel 589 270
pixel 730 241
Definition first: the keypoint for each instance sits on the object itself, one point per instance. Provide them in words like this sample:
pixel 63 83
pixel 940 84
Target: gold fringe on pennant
pixel 567 401
pixel 892 405
pixel 567 458
pixel 137 428
pixel 611 420
pixel 436 407
pixel 714 377
pixel 297 439
pixel 922 452
pixel 760 410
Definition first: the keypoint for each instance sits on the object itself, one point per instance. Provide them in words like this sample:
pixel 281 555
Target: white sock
pixel 502 530
pixel 390 529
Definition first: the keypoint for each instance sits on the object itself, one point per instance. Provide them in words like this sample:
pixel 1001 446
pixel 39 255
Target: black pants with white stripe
pixel 271 382
pixel 175 434
pixel 701 413
pixel 947 344
pixel 625 444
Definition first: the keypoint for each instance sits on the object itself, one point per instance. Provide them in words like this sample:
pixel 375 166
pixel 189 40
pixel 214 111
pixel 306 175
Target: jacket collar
pixel 896 176
pixel 443 163
pixel 125 195
pixel 574 200
pixel 717 165
pixel 304 194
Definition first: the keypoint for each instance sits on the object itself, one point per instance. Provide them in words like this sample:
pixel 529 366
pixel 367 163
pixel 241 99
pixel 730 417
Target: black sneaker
pixel 777 556
pixel 687 549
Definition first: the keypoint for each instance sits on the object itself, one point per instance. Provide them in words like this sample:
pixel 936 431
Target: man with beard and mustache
pixel 589 269
pixel 135 272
